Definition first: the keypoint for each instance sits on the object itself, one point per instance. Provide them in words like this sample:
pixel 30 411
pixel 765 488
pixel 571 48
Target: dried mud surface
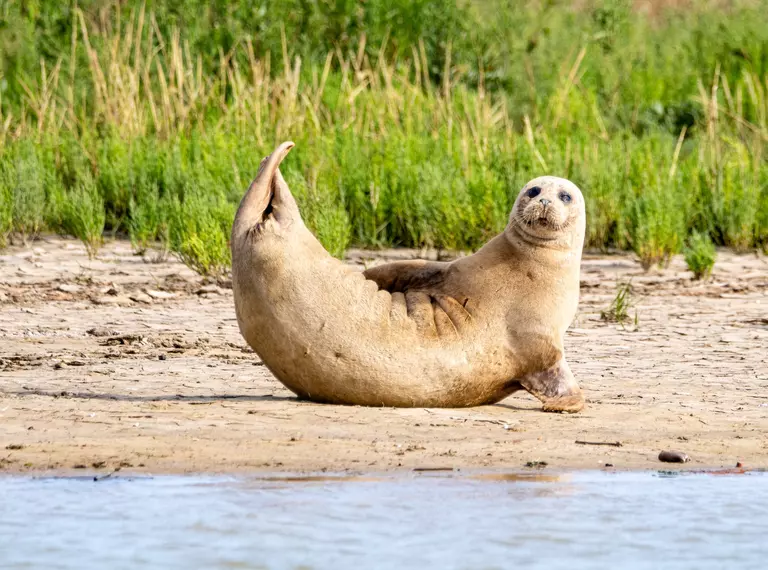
pixel 120 363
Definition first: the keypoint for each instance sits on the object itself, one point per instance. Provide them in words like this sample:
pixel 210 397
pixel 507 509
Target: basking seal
pixel 412 333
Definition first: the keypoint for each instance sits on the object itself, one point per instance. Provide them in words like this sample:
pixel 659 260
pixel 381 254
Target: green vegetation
pixel 416 122
pixel 618 311
pixel 700 255
pixel 83 214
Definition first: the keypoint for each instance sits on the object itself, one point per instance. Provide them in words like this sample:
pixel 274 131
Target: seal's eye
pixel 565 197
pixel 533 192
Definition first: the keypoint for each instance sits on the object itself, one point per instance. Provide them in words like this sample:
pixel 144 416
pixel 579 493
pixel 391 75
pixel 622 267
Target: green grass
pixel 618 311
pixel 6 210
pixel 148 221
pixel 83 214
pixel 700 255
pixel 416 123
pixel 25 176
pixel 198 229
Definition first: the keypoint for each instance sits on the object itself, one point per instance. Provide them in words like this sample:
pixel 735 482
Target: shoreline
pixel 497 473
pixel 140 366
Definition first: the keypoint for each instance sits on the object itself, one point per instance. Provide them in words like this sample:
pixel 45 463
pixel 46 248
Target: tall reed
pixel 386 155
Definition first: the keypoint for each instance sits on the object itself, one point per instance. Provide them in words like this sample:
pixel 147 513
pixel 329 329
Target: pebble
pixel 105 300
pixel 101 331
pixel 111 300
pixel 673 457
pixel 206 289
pixel 160 294
pixel 140 297
pixel 69 288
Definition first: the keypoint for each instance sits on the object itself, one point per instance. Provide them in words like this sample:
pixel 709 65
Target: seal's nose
pixel 544 202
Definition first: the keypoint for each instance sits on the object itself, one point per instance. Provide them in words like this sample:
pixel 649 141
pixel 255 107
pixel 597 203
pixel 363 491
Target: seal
pixel 412 333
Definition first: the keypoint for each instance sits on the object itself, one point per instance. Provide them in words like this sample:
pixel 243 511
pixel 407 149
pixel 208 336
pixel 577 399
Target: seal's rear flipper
pixel 268 196
pixel 556 388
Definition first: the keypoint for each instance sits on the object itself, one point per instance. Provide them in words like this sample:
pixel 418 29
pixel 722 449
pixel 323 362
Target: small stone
pixel 160 294
pixel 101 331
pixel 98 464
pixel 209 289
pixel 14 447
pixel 110 300
pixel 140 297
pixel 104 300
pixel 162 357
pixel 609 464
pixel 124 339
pixel 69 288
pixel 59 365
pixel 673 457
pixel 536 464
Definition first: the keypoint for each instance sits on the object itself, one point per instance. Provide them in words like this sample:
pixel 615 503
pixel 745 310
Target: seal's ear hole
pixel 533 192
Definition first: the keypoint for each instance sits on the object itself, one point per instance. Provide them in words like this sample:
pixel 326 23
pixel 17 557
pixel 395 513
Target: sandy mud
pixel 124 363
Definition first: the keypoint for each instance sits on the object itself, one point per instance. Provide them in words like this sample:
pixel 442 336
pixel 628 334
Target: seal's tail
pixel 268 195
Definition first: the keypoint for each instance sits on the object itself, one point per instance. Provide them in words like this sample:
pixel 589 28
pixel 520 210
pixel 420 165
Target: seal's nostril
pixel 544 202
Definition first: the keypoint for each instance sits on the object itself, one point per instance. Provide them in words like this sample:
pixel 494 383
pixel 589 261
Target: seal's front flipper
pixel 402 276
pixel 556 388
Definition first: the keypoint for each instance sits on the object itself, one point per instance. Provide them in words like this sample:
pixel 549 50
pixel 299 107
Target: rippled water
pixel 533 520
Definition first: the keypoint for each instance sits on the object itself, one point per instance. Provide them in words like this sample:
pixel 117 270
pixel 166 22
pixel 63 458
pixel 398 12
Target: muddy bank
pixel 120 362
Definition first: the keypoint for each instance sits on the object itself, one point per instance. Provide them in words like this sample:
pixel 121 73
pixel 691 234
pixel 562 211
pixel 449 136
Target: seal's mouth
pixel 545 222
pixel 542 222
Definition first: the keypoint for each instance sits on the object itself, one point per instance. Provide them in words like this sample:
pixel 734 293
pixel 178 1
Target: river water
pixel 577 520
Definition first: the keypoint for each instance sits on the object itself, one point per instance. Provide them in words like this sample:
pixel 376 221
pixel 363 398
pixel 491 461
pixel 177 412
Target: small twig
pixel 609 443
pixel 496 422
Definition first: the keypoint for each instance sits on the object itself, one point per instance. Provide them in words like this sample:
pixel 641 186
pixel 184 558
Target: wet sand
pixel 124 363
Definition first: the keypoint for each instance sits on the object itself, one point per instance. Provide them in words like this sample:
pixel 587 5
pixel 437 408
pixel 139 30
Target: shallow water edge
pixel 536 518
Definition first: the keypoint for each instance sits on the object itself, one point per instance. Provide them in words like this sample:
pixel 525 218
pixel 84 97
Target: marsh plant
pixel 6 216
pixel 700 255
pixel 148 216
pixel 6 207
pixel 619 309
pixel 198 229
pixel 416 123
pixel 25 192
pixel 83 215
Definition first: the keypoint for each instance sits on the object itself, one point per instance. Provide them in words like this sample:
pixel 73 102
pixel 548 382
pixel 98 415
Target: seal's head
pixel 549 210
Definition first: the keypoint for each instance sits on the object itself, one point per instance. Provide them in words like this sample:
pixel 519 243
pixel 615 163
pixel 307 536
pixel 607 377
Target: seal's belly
pixel 362 345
